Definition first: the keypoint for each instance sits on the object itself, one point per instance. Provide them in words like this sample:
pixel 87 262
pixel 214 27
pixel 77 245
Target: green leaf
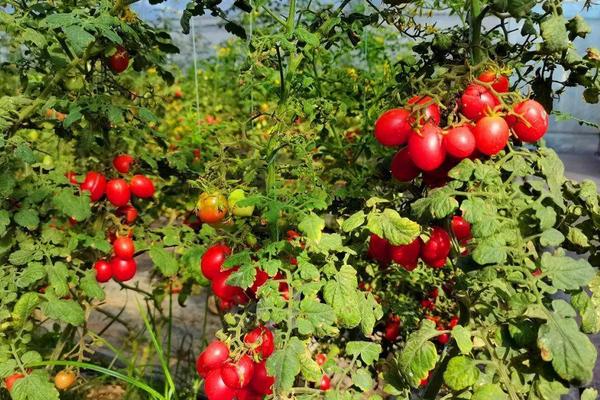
pixel 25 306
pixel 308 366
pixel 63 310
pixel 589 394
pixel 460 373
pixel 462 336
pixel 57 277
pixel 31 357
pixel 490 251
pixel 284 365
pixel 391 226
pixel 25 154
pixel 552 237
pixel 91 287
pixel 312 226
pixel 442 203
pixel 35 386
pixel 164 261
pixel 307 37
pixel 550 390
pixel 463 171
pixel 27 218
pixel 554 32
pixel 354 221
pixel 147 115
pixel 33 36
pixel 368 351
pixel 321 318
pixel 567 273
pixel 371 312
pixel 547 217
pixel 577 237
pixel 362 379
pixel 340 293
pixel 71 205
pixel 30 275
pixel 78 38
pixel 489 391
pixel 22 256
pixel 571 352
pixel 243 277
pixel 419 355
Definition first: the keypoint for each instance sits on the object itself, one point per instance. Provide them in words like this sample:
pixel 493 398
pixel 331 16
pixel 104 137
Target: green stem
pixel 291 17
pixel 476 18
pixel 275 16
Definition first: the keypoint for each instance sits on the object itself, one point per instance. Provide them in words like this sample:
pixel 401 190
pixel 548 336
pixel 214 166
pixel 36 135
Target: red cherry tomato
pixel 119 61
pixel 248 394
pixel 261 341
pixel 325 383
pixel 432 112
pixel 444 338
pixel 72 177
pixel 237 375
pixel 215 388
pixel 103 271
pixel 499 82
pixel 437 248
pixel 491 135
pixel 10 381
pixel 393 127
pixel 476 101
pixel 124 247
pixel 460 142
pixel 259 280
pixel 261 382
pixel 426 147
pixel 407 255
pixel 128 212
pixel 141 186
pixel 117 192
pixel 379 249
pixel 95 183
pixel 213 259
pixel 392 328
pixel 321 359
pixel 532 123
pixel 122 163
pixel 461 228
pixel 215 355
pixel 453 322
pixel 403 168
pixel 123 269
pixel 227 292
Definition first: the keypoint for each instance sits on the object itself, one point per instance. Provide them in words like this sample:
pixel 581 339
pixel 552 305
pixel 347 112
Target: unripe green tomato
pixel 74 83
pixel 251 240
pixel 48 161
pixel 33 135
pixel 234 197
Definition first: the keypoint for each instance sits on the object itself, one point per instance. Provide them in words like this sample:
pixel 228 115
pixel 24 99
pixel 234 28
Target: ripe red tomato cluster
pixel 484 131
pixel 117 191
pixel 211 265
pixel 392 328
pixel 433 252
pixel 122 266
pixel 242 375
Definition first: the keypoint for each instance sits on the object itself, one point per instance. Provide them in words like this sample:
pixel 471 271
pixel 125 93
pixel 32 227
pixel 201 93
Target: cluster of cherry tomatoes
pixel 122 265
pixel 483 130
pixel 242 374
pixel 433 252
pixel 211 265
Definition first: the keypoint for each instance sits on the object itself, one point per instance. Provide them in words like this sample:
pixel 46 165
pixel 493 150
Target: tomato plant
pixel 369 209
